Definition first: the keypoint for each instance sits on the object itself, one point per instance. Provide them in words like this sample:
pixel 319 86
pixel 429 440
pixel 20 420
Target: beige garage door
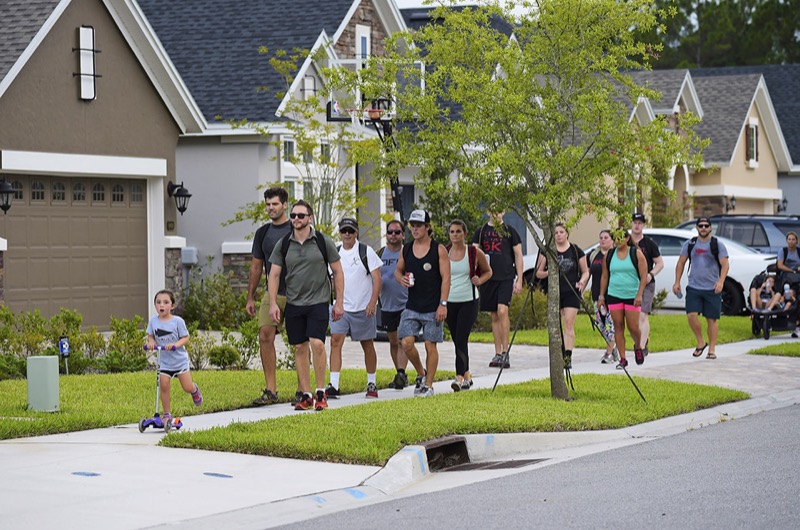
pixel 77 243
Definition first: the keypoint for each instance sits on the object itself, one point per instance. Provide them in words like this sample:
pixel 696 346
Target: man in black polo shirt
pixel 654 265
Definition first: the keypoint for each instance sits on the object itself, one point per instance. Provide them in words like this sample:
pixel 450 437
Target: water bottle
pixel 679 294
pixel 785 290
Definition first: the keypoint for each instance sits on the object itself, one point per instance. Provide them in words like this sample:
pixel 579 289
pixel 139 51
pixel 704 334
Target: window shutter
pixel 746 144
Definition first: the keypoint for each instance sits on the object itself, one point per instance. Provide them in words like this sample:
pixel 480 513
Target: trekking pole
pixel 511 343
pixel 567 368
pixel 634 384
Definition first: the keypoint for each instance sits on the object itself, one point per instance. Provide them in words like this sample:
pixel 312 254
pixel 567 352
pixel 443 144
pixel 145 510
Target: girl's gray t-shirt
pixel 170 332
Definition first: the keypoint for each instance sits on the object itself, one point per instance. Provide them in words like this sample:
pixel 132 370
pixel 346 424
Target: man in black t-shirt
pixel 654 265
pixel 277 201
pixel 503 246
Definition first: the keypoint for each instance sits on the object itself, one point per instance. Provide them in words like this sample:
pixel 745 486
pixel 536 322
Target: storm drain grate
pixel 503 464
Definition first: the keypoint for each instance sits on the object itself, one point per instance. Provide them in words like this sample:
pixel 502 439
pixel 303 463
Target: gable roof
pixel 783 82
pixel 24 24
pixel 675 86
pixel 215 46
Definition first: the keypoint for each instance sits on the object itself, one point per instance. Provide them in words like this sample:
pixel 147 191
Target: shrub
pixel 213 304
pixel 32 331
pixel 12 366
pixel 247 343
pixel 125 351
pixel 199 346
pixel 224 356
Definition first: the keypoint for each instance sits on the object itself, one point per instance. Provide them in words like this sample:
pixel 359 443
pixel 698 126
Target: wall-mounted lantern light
pixel 783 205
pixel 730 204
pixel 6 194
pixel 180 194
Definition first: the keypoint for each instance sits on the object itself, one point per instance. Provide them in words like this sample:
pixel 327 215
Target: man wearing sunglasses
pixel 393 300
pixel 308 295
pixel 655 263
pixel 708 269
pixel 362 275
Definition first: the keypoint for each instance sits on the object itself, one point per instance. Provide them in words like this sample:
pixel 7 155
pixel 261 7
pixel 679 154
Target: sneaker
pixel 197 397
pixel 623 363
pixel 607 358
pixel 455 385
pixel 322 401
pixel 568 360
pixel 400 381
pixel 466 385
pixel 298 397
pixel 331 392
pixel 615 354
pixel 419 385
pixel 267 398
pixel 646 351
pixel 795 333
pixel 505 360
pixel 496 360
pixel 306 403
pixel 372 390
pixel 639 355
pixel 424 391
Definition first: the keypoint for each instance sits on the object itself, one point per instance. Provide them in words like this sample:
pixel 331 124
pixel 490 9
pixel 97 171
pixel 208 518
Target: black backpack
pixel 362 253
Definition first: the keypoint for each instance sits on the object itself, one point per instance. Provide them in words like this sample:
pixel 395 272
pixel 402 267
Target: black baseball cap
pixel 702 220
pixel 348 222
pixel 639 216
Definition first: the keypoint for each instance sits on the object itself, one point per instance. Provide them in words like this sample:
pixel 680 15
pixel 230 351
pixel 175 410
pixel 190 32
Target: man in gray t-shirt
pixel 708 269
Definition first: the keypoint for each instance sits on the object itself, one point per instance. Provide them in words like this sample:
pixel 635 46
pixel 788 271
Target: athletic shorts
pixel 704 302
pixel 306 322
pixel 391 320
pixel 647 297
pixel 173 373
pixel 569 299
pixel 496 293
pixel 264 318
pixel 621 304
pixel 357 324
pixel 412 322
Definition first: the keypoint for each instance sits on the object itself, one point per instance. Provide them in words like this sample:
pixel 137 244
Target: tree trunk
pixel 558 385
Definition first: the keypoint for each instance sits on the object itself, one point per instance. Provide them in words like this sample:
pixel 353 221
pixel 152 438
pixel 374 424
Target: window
pixel 747 233
pixel 363 45
pixel 37 191
pixel 308 157
pixel 309 86
pixel 98 193
pixel 137 193
pixel 117 194
pixel 324 153
pixel 86 59
pixel 288 150
pixel 59 192
pixel 291 189
pixel 668 245
pixel 17 187
pixel 751 143
pixel 78 192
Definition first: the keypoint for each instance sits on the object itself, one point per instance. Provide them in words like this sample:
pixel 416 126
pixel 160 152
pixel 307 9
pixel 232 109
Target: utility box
pixel 189 256
pixel 43 392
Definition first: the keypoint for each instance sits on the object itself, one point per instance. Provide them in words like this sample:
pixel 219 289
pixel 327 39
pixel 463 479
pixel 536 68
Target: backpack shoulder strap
pixel 284 247
pixel 715 250
pixel 323 248
pixel 472 253
pixel 380 252
pixel 362 253
pixel 609 254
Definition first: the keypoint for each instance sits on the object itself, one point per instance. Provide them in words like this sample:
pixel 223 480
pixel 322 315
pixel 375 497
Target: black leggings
pixel 460 318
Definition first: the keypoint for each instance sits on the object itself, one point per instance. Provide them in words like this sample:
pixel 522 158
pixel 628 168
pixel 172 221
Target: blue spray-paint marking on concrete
pixel 490 439
pixel 356 494
pixel 421 456
pixel 86 474
pixel 218 475
pixel 319 500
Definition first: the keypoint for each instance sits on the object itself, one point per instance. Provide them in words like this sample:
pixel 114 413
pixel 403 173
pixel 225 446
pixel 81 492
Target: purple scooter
pixel 157 421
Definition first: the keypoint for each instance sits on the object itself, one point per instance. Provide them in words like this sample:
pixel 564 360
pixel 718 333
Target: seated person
pixel 788 300
pixel 767 297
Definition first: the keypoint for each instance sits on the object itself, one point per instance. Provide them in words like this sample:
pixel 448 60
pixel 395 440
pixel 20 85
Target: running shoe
pixel 424 392
pixel 420 384
pixel 608 358
pixel 505 359
pixel 496 360
pixel 623 363
pixel 322 401
pixel 267 398
pixel 466 385
pixel 615 354
pixel 646 351
pixel 639 355
pixel 305 403
pixel 372 390
pixel 331 392
pixel 795 333
pixel 298 397
pixel 455 385
pixel 400 381
pixel 197 397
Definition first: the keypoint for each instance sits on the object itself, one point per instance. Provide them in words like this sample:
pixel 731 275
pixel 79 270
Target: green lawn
pixel 667 333
pixel 94 401
pixel 371 433
pixel 790 349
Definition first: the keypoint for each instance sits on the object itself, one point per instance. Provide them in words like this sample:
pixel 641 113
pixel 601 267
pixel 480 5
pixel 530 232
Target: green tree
pixel 538 123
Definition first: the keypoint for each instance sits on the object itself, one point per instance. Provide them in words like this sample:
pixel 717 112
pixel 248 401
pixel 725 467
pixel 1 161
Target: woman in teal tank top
pixel 621 288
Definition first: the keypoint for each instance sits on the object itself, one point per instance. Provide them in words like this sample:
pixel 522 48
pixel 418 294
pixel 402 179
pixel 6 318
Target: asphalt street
pixel 735 474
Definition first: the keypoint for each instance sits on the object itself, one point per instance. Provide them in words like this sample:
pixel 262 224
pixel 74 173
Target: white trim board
pixel 62 164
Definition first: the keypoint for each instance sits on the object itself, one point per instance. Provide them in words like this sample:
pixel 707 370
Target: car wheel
pixel 732 300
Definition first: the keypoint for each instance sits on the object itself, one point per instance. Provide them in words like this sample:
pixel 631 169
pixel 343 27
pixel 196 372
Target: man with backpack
pixel 362 276
pixel 306 254
pixel 277 202
pixel 654 265
pixel 393 299
pixel 708 268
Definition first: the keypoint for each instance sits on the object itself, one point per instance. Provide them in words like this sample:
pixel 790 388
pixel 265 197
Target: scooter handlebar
pixel 162 348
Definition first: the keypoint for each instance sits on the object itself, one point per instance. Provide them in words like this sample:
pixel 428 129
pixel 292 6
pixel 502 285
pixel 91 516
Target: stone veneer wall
pixel 173 274
pixel 239 266
pixel 365 15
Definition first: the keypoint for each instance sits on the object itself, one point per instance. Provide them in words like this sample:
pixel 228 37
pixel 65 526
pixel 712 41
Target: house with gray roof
pixel 91 109
pixel 215 46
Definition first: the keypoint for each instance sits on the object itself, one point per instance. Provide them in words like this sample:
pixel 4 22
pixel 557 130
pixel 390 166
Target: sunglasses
pixel 394 232
pixel 703 226
pixel 298 215
pixel 347 231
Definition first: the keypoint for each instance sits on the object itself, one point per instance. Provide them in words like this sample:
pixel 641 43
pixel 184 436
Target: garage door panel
pixel 90 259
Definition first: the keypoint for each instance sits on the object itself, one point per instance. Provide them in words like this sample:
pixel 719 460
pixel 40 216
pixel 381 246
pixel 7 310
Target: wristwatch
pixel 443 303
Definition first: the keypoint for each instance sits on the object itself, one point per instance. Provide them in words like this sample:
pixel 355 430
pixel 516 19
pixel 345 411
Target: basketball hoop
pixel 375 114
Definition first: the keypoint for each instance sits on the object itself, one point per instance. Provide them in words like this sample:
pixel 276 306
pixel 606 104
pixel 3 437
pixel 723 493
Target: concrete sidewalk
pixel 120 478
